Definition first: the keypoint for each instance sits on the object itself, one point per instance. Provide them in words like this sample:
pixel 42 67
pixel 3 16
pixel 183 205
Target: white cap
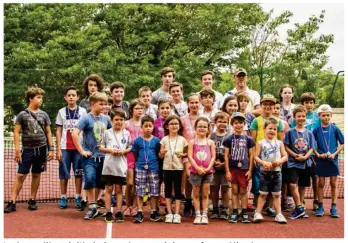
pixel 324 108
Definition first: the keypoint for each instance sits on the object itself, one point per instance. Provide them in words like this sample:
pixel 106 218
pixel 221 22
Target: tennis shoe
pixel 198 219
pixel 169 218
pixel 257 218
pixel 109 218
pixel 233 218
pixel 128 212
pixel 223 214
pixel 32 204
pixel 119 217
pixel 280 219
pixel 245 218
pixel 215 214
pixel 270 212
pixel 334 213
pixel 91 213
pixel 138 218
pixel 177 219
pixel 315 205
pixel 204 219
pixel 155 217
pixel 78 202
pixel 319 212
pixel 134 211
pixel 83 206
pixel 101 203
pixel 297 213
pixel 11 207
pixel 63 202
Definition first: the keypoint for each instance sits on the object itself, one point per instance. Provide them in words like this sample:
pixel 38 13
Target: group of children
pixel 195 148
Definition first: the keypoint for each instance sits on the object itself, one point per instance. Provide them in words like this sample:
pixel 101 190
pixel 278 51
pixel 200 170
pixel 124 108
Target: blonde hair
pixel 98 96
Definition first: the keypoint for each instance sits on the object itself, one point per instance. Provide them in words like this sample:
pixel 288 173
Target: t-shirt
pixel 253 95
pixel 85 104
pixel 158 130
pixel 270 151
pixel 299 143
pixel 93 128
pixel 158 95
pixel 180 109
pixel 152 111
pixel 239 146
pixel 174 146
pixel 115 165
pixel 287 113
pixel 147 151
pixel 134 130
pixel 312 121
pixel 124 106
pixel 188 127
pixel 33 136
pixel 219 149
pixel 258 125
pixel 67 119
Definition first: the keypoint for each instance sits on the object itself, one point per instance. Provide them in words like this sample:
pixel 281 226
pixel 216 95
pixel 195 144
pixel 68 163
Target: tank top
pixel 202 156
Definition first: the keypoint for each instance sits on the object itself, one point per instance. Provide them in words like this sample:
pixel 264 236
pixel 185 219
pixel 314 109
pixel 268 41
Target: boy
pixel 180 106
pixel 299 144
pixel 117 90
pixel 167 77
pixel 146 149
pixel 67 153
pixel 93 126
pixel 221 123
pixel 327 136
pixel 145 95
pixel 108 106
pixel 91 84
pixel 207 99
pixel 239 161
pixel 36 140
pixel 207 81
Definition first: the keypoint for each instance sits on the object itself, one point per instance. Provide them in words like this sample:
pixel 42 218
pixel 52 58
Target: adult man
pixel 240 79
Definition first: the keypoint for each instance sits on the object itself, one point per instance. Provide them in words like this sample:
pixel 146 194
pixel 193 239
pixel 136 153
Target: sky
pixel 333 24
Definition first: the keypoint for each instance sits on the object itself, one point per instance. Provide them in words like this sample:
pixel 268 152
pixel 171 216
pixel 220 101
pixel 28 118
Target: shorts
pixel 34 158
pixel 110 180
pixel 92 169
pixel 285 173
pixel 197 180
pixel 302 177
pixel 220 180
pixel 131 160
pixel 239 177
pixel 255 183
pixel 313 168
pixel 70 157
pixel 270 181
pixel 146 177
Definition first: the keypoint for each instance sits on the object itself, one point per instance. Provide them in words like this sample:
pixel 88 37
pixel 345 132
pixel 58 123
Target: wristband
pixel 51 148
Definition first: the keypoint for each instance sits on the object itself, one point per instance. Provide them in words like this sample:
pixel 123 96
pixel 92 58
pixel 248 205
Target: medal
pixel 123 140
pixel 146 166
pixel 160 129
pixel 328 154
pixel 239 164
pixel 146 155
pixel 35 131
pixel 71 130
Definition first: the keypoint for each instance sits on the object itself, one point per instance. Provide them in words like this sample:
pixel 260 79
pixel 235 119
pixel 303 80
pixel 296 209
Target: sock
pixel 333 205
pixel 198 213
pixel 205 212
pixel 153 210
pixel 235 210
pixel 320 204
pixel 63 196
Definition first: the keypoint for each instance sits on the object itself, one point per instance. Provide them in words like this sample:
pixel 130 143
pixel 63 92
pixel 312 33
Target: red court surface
pixel 51 222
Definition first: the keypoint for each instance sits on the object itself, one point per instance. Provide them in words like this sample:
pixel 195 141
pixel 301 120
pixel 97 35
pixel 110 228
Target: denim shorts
pixel 146 177
pixel 255 183
pixel 34 158
pixel 198 180
pixel 70 158
pixel 270 181
pixel 220 180
pixel 92 169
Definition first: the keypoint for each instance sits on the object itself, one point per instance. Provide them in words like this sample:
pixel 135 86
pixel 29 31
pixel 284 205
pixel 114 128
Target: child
pixel 299 143
pixel 189 133
pixel 221 122
pixel 173 150
pixel 36 140
pixel 286 98
pixel 146 149
pixel 117 90
pixel 93 126
pixel 270 154
pixel 145 95
pixel 243 101
pixel 207 81
pixel 207 99
pixel 201 154
pixel 93 83
pixel 239 160
pixel 327 152
pixel 67 153
pixel 116 143
pixel 136 112
pixel 108 106
pixel 167 77
pixel 231 106
pixel 180 106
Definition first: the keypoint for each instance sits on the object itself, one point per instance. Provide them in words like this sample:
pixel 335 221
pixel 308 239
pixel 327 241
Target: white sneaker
pixel 204 220
pixel 177 219
pixel 258 218
pixel 197 220
pixel 280 219
pixel 169 218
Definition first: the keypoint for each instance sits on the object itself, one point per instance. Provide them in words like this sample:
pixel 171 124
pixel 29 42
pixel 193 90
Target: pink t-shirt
pixel 188 126
pixel 158 130
pixel 202 156
pixel 134 130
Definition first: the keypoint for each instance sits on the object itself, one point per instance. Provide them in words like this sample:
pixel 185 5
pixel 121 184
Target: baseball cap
pixel 238 114
pixel 324 108
pixel 268 97
pixel 240 70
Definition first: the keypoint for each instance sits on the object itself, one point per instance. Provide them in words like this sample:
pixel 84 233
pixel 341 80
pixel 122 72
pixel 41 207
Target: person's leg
pixel 177 190
pixel 196 202
pixel 261 202
pixel 35 183
pixel 235 192
pixel 205 198
pixel 129 187
pixel 108 192
pixel 17 186
pixel 168 184
pixel 333 184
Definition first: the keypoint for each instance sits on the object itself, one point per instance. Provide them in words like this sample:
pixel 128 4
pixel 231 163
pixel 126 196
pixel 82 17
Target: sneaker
pixel 101 203
pixel 204 219
pixel 128 212
pixel 319 212
pixel 177 219
pixel 305 215
pixel 315 205
pixel 285 207
pixel 280 219
pixel 155 217
pixel 334 213
pixel 233 218
pixel 138 218
pixel 78 202
pixel 162 201
pixel 215 214
pixel 11 207
pixel 169 218
pixel 63 202
pixel 187 207
pixel 245 218
pixel 270 212
pixel 119 217
pixel 91 213
pixel 134 211
pixel 83 206
pixel 257 218
pixel 108 217
pixel 223 214
pixel 113 200
pixel 297 213
pixel 250 208
pixel 32 204
pixel 198 219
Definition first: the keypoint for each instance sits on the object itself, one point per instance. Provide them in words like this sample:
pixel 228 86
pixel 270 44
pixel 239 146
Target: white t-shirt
pixel 171 161
pixel 270 151
pixel 181 108
pixel 158 95
pixel 253 95
pixel 152 111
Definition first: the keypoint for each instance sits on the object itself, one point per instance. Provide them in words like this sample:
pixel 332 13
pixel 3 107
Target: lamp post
pixel 333 88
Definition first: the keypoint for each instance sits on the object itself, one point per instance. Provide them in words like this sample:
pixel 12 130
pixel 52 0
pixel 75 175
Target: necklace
pixel 36 118
pixel 71 128
pixel 172 151
pixel 327 143
pixel 146 154
pixel 123 140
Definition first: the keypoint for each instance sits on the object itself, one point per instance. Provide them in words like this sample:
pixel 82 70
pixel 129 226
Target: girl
pixel 173 150
pixel 201 154
pixel 286 97
pixel 91 84
pixel 243 101
pixel 136 111
pixel 231 106
pixel 188 122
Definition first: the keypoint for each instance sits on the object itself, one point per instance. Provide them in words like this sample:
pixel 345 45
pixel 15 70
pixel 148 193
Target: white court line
pixel 109 229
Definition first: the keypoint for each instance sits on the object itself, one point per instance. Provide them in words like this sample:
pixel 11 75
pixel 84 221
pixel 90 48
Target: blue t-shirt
pixel 299 143
pixel 239 146
pixel 312 121
pixel 93 128
pixel 147 149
